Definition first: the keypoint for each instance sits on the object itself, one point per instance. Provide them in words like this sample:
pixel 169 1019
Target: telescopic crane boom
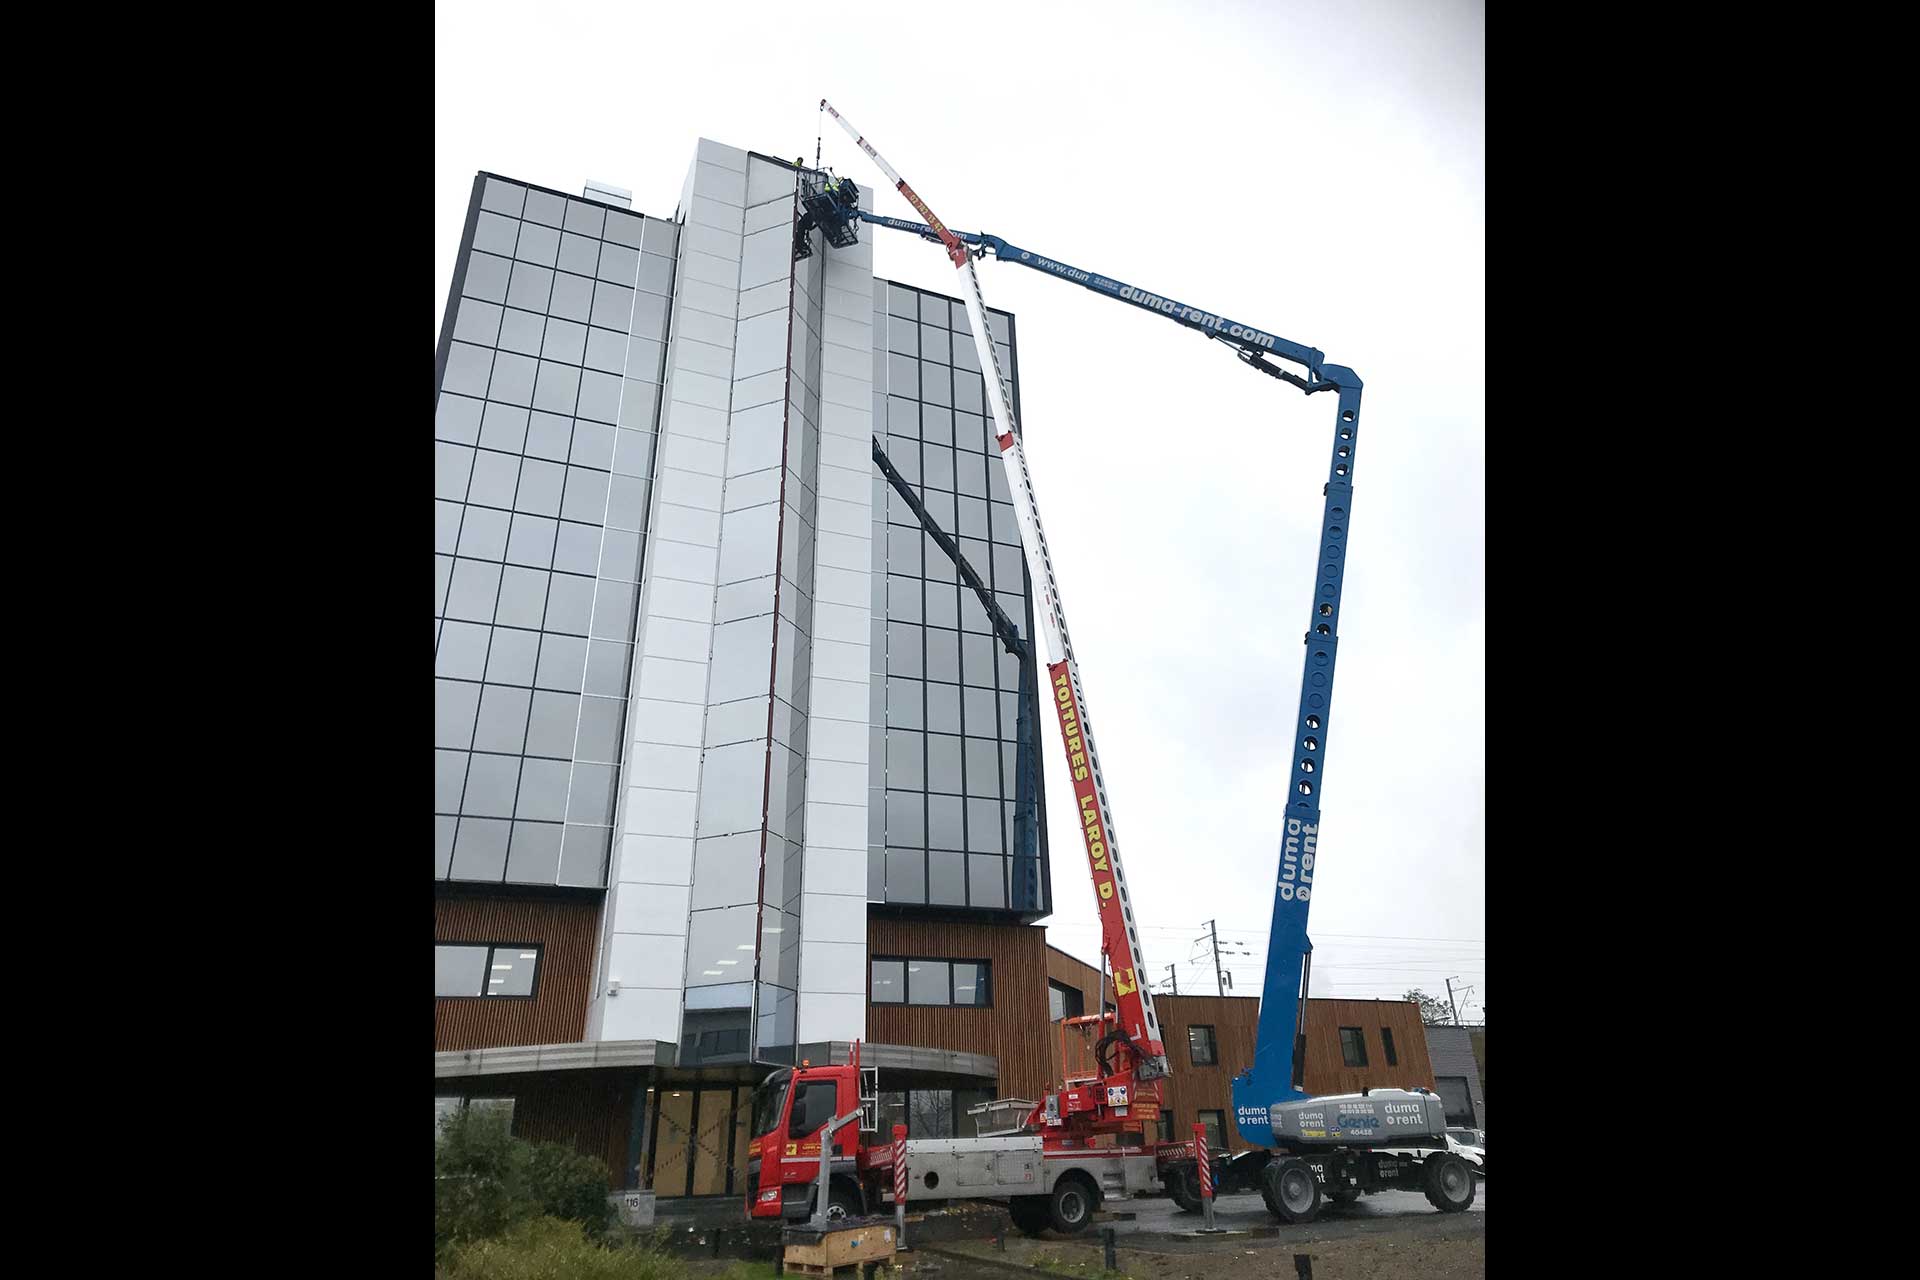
pixel 1143 1056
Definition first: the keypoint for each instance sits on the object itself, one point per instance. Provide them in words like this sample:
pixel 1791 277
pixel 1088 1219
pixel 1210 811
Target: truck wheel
pixel 1030 1216
pixel 842 1202
pixel 1293 1192
pixel 1071 1207
pixel 1448 1181
pixel 1184 1186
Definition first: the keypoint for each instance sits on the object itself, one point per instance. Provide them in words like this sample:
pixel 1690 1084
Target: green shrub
pixel 552 1249
pixel 488 1182
pixel 566 1184
pixel 478 1179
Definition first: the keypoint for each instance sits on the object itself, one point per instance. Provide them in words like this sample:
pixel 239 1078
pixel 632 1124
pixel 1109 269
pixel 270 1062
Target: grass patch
pixel 1060 1265
pixel 555 1249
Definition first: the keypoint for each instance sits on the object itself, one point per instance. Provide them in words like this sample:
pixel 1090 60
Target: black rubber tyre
pixel 1292 1190
pixel 1071 1206
pixel 1448 1181
pixel 1029 1214
pixel 842 1202
pixel 1184 1186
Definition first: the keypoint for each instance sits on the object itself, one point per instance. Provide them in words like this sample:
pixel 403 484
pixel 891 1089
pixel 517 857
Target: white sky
pixel 1313 169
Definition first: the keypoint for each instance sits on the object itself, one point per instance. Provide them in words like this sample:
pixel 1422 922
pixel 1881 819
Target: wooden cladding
pixel 1327 1071
pixel 566 931
pixel 590 1111
pixel 1010 1030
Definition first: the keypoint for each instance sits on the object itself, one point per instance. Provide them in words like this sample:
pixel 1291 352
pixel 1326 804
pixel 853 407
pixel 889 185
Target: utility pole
pixel 1219 982
pixel 1173 976
pixel 1450 1000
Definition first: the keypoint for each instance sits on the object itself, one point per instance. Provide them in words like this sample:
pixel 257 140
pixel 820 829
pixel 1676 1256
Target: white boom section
pixel 1121 935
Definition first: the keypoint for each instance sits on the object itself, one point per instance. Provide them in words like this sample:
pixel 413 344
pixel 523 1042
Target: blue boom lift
pixel 1351 1144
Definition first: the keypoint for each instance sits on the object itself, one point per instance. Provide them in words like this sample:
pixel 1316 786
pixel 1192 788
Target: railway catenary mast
pixel 1143 1055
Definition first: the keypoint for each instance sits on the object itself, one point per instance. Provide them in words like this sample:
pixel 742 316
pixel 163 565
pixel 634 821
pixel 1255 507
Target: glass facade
pixel 955 816
pixel 548 385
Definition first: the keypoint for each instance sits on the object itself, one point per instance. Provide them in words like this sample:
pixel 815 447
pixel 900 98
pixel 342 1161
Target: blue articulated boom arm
pixel 1252 343
pixel 1275 1075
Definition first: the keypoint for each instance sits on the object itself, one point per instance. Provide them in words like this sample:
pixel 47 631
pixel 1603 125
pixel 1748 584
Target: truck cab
pixel 790 1109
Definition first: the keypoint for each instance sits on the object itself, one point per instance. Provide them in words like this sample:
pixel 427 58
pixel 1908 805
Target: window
pixel 1386 1038
pixel 889 982
pixel 485 969
pixel 1166 1126
pixel 1201 1048
pixel 1216 1126
pixel 1353 1046
pixel 932 982
pixel 812 1107
pixel 446 1108
pixel 1064 1001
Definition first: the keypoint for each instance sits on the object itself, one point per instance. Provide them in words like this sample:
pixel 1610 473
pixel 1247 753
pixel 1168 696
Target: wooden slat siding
pixel 590 1111
pixel 567 932
pixel 1011 1030
pixel 1327 1071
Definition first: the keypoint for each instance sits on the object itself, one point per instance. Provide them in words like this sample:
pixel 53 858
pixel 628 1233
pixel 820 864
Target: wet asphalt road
pixel 1244 1212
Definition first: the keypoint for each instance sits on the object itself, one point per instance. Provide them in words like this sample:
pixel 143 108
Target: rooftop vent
pixel 608 195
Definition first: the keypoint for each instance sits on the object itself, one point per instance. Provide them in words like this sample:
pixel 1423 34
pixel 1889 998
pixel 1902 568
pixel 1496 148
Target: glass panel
pixel 550 729
pixel 503 720
pixel 673 1142
pixel 927 982
pixel 511 971
pixel 987 880
pixel 713 1131
pixel 543 790
pixel 946 877
pixel 906 819
pixel 906 759
pixel 459 971
pixel 889 982
pixel 970 983
pixel 491 783
pixel 943 763
pixel 511 659
pixel 944 823
pixel 906 875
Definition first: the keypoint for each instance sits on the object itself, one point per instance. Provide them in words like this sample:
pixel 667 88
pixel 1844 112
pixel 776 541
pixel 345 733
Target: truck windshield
pixel 770 1100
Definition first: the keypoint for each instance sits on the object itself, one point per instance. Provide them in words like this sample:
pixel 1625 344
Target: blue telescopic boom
pixel 1275 1075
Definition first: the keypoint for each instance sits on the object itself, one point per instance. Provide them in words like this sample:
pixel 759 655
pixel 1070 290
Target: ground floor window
pixel 933 1113
pixel 446 1107
pixel 1216 1126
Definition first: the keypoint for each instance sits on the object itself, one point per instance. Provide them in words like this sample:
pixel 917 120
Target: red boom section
pixel 1113 924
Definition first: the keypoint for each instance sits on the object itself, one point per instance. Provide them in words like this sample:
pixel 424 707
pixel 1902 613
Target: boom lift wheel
pixel 1293 1192
pixel 1448 1181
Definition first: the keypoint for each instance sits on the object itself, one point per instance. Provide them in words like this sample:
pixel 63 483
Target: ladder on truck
pixel 1138 1026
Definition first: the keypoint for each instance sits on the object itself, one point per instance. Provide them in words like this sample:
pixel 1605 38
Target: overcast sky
pixel 1313 169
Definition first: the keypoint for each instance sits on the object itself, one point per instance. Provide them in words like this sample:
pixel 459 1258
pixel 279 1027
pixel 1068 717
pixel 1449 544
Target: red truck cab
pixel 790 1109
